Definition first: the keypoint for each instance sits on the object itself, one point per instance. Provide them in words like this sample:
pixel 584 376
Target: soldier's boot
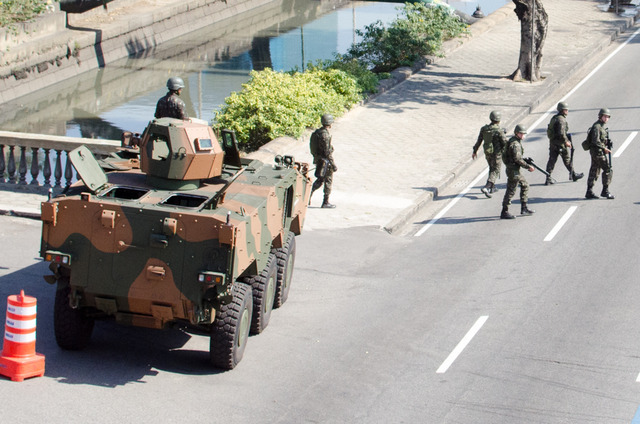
pixel 505 213
pixel 524 210
pixel 314 187
pixel 590 194
pixel 605 193
pixel 486 189
pixel 548 181
pixel 576 176
pixel 493 189
pixel 326 204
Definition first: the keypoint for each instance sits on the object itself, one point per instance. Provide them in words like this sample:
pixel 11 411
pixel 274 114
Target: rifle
pixel 571 172
pixel 531 162
pixel 610 147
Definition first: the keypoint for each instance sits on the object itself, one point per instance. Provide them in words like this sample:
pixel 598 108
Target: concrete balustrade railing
pixel 43 157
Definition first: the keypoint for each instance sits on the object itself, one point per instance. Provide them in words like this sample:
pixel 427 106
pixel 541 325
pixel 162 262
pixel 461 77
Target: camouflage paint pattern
pixel 137 249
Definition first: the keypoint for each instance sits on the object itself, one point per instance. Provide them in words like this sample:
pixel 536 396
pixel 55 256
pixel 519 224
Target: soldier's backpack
pixel 552 123
pixel 585 144
pixel 499 142
pixel 488 138
pixel 313 144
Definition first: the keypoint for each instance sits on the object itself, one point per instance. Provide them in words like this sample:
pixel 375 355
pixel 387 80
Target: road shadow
pixel 460 220
pixel 117 354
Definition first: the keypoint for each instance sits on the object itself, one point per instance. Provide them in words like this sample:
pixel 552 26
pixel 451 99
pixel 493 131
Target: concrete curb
pixel 407 214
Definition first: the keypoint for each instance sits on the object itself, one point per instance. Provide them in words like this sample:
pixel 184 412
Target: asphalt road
pixel 470 319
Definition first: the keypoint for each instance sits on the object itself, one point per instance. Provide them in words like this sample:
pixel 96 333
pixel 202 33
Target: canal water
pixel 213 62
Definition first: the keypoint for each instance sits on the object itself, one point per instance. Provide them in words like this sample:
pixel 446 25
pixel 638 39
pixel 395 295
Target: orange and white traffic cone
pixel 19 359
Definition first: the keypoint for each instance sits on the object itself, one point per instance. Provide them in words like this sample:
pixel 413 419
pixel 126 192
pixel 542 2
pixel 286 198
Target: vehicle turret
pixel 178 154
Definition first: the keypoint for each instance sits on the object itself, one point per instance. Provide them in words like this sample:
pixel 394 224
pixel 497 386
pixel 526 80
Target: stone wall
pixel 46 51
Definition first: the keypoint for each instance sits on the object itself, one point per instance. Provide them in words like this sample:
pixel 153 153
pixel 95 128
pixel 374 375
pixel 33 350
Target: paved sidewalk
pixel 400 148
pixel 397 151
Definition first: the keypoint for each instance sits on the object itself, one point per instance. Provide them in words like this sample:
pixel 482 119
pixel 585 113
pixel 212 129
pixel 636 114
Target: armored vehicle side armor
pixel 194 235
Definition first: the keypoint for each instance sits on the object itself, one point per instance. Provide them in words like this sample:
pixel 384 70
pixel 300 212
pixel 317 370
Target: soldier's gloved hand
pixel 335 168
pixel 531 169
pixel 474 155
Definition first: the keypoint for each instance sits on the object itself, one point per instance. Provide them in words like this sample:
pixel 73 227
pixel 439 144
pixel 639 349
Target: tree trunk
pixel 537 32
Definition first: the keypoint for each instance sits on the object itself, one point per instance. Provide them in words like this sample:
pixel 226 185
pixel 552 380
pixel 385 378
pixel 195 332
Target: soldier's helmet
pixel 604 111
pixel 175 83
pixel 495 116
pixel 327 119
pixel 562 106
pixel 520 129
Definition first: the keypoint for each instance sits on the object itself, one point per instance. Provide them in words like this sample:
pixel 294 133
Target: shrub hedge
pixel 273 104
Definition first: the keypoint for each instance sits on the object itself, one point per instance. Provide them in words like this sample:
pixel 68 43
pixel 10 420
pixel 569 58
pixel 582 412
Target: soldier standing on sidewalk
pixel 494 141
pixel 599 147
pixel 172 106
pixel 559 143
pixel 513 161
pixel 322 152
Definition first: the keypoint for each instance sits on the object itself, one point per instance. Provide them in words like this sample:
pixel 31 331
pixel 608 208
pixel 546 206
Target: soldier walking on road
pixel 560 144
pixel 599 146
pixel 322 152
pixel 171 106
pixel 513 161
pixel 494 141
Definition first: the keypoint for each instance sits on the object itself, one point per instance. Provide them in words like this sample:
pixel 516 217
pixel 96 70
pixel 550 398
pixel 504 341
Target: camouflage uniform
pixel 512 157
pixel 557 143
pixel 598 138
pixel 171 106
pixel 558 146
pixel 494 140
pixel 324 152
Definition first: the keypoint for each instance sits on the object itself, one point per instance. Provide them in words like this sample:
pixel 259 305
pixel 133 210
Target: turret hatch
pixel 88 168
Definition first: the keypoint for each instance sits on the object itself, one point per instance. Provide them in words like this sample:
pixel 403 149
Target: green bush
pixel 420 31
pixel 274 104
pixel 16 11
pixel 366 80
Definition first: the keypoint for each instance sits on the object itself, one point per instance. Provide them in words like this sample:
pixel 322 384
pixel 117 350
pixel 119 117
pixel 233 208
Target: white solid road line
pixel 626 143
pixel 560 223
pixel 585 79
pixel 529 130
pixel 463 343
pixel 450 205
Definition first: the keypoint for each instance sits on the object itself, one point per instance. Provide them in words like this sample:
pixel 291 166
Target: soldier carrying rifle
pixel 599 147
pixel 513 161
pixel 322 152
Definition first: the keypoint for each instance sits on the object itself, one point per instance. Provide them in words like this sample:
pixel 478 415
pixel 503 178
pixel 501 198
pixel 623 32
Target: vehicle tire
pixel 286 258
pixel 264 291
pixel 230 330
pixel 71 326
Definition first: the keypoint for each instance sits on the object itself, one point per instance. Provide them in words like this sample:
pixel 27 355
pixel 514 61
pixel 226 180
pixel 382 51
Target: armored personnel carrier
pixel 190 234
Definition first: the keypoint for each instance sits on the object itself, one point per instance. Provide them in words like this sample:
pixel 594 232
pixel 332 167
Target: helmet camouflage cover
pixel 327 119
pixel 495 116
pixel 175 83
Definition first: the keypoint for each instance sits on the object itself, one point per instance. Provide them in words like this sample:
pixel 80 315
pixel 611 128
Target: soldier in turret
pixel 494 141
pixel 559 143
pixel 322 152
pixel 171 106
pixel 513 161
